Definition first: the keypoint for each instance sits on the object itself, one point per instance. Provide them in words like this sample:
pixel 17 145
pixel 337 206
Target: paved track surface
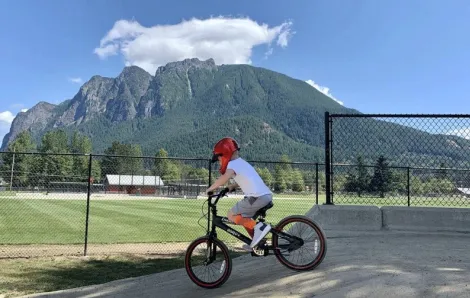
pixel 381 264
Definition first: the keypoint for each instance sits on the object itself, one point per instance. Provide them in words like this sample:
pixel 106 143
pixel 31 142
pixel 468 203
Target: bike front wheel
pixel 288 249
pixel 210 265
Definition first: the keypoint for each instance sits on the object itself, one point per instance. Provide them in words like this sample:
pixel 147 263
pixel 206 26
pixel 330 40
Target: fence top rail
pixel 402 167
pixel 154 157
pixel 287 162
pixel 400 115
pixel 100 155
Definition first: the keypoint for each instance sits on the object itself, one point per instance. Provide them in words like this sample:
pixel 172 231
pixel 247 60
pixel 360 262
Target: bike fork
pixel 211 249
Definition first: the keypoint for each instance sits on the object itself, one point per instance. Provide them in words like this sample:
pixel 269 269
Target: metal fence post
pixel 88 204
pixel 327 159
pixel 408 185
pixel 316 183
pixel 210 174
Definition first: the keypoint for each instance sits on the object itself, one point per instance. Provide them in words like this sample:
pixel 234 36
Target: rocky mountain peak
pixel 188 63
pixel 133 70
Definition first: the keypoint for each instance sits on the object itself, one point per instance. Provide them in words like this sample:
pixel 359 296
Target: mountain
pixel 188 105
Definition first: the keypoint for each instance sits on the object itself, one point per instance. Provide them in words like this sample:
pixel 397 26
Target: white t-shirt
pixel 247 178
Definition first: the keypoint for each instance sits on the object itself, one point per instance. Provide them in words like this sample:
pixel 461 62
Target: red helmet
pixel 224 148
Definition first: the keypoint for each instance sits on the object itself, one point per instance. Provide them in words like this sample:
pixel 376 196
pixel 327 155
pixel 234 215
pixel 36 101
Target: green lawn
pixel 117 221
pixel 37 221
pixel 20 277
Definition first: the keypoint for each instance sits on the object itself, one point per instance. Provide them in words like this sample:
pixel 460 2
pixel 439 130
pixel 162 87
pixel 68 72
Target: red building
pixel 133 184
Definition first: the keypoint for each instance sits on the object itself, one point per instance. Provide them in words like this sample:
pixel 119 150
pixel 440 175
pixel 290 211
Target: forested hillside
pixel 186 106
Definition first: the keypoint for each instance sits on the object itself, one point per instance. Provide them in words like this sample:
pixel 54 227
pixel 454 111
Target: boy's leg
pixel 246 208
pixel 247 222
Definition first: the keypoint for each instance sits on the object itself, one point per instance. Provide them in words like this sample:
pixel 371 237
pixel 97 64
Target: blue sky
pixel 375 56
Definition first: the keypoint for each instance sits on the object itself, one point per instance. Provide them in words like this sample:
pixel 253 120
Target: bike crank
pixel 260 250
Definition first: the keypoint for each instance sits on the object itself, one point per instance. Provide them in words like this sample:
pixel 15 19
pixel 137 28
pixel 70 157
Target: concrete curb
pixel 347 218
pixel 426 219
pixel 373 218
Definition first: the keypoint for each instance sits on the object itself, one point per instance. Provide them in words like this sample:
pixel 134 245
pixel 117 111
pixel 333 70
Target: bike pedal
pixel 253 254
pixel 256 254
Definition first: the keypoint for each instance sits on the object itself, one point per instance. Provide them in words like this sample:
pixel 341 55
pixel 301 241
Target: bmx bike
pixel 223 262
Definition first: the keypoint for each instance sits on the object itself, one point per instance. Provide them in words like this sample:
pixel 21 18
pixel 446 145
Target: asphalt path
pixel 372 264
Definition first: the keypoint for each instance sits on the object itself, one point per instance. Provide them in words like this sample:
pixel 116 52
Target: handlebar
pixel 221 194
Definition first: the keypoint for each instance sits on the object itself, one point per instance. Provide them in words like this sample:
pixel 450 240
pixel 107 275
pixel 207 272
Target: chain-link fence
pixel 43 199
pixel 146 205
pixel 410 160
pixel 76 204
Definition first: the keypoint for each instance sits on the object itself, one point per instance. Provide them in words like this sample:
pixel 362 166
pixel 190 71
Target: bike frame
pixel 219 222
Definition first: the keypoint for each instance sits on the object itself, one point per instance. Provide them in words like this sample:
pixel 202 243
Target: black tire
pixel 318 230
pixel 188 264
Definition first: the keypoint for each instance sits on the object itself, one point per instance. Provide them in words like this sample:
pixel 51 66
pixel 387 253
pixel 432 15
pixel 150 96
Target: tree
pixel 363 178
pixel 358 182
pixel 280 179
pixel 286 166
pixel 52 166
pixel 399 181
pixel 321 181
pixel 18 171
pixel 128 163
pixel 382 178
pixel 82 145
pixel 417 187
pixel 298 183
pixel 196 175
pixel 266 175
pixel 442 173
pixel 165 168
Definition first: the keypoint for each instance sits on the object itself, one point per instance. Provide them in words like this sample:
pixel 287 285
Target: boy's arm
pixel 221 180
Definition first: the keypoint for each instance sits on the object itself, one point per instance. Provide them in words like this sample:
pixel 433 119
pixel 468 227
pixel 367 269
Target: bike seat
pixel 262 211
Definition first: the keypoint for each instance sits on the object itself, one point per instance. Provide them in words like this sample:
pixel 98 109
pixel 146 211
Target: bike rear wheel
pixel 213 260
pixel 284 248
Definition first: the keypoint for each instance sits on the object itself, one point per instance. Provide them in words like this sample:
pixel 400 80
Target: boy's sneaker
pixel 261 229
pixel 246 247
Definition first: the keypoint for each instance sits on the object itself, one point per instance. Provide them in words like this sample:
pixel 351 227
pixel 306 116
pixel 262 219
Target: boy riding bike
pixel 256 193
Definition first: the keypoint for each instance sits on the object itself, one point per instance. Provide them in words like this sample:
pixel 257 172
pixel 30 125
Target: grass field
pixel 116 221
pixel 62 221
pixel 20 277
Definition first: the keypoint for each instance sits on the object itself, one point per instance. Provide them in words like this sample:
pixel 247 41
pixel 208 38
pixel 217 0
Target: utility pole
pixel 12 167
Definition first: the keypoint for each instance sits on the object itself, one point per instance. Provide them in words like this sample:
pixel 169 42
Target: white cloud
pixel 76 80
pixel 226 40
pixel 6 118
pixel 24 110
pixel 463 133
pixel 324 90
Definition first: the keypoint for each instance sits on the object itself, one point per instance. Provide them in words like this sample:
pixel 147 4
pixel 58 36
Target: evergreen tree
pixel 442 173
pixel 382 178
pixel 298 183
pixel 167 169
pixel 52 167
pixel 18 170
pixel 122 164
pixel 266 175
pixel 81 144
pixel 280 179
pixel 359 181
